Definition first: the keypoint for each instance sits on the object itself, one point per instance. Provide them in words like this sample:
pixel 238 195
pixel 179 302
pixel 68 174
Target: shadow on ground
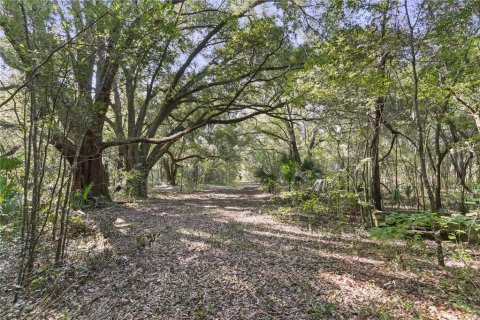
pixel 217 256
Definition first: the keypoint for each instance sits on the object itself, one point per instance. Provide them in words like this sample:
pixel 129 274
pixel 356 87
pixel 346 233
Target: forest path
pixel 218 256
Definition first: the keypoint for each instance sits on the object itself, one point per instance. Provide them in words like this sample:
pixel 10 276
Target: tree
pixel 189 74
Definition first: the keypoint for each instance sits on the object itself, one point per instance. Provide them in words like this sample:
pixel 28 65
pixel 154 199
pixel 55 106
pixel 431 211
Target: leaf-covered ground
pixel 218 255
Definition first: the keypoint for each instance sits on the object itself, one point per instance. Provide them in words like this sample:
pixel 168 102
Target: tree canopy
pixel 358 110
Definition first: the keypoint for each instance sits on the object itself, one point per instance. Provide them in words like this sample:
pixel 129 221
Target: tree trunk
pixel 438 186
pixel 91 171
pixel 139 166
pixel 440 156
pixel 294 153
pixel 417 116
pixel 170 171
pixel 173 177
pixel 173 182
pixel 137 182
pixel 376 191
pixel 196 172
pixel 88 167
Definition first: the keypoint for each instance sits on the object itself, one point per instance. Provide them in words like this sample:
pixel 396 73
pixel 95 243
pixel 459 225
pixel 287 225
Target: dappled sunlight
pixel 196 245
pixel 231 208
pixel 195 233
pixel 264 243
pixel 369 300
pixel 347 258
pixel 187 260
pixel 217 253
pixel 462 264
pixel 121 225
pixel 356 290
pixel 274 234
pixel 289 241
pixel 241 159
pixel 364 299
pixel 312 239
pixel 254 219
pixel 261 196
pixel 97 243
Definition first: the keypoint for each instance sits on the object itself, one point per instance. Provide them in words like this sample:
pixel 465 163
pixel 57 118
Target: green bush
pixel 314 206
pixel 400 225
pixel 79 226
pixel 9 189
pixel 294 197
pixel 80 199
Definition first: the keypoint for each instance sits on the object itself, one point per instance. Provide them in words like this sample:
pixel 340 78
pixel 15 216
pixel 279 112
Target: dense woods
pixel 355 123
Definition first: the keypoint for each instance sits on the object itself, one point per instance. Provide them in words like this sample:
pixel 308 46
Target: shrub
pixel 9 188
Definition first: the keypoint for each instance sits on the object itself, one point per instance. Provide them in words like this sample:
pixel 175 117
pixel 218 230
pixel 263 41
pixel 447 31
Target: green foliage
pixel 314 206
pixel 9 188
pixel 289 170
pixel 400 225
pixel 262 175
pixel 408 191
pixel 79 226
pixel 172 67
pixel 310 165
pixel 267 179
pixel 86 191
pixel 294 197
pixel 43 276
pixel 80 199
pixel 396 195
pixel 134 181
pixel 9 163
pixel 463 282
pixel 460 227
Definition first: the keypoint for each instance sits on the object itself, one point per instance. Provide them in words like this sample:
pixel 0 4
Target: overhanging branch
pixel 177 135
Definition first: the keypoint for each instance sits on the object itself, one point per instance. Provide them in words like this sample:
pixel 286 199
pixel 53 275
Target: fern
pixel 87 190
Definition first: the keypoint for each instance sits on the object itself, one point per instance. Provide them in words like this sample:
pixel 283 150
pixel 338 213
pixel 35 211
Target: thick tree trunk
pixel 91 171
pixel 132 157
pixel 137 182
pixel 139 167
pixel 89 168
pixel 173 181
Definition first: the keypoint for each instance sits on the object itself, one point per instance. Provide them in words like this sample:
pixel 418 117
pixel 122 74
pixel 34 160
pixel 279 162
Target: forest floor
pixel 219 254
